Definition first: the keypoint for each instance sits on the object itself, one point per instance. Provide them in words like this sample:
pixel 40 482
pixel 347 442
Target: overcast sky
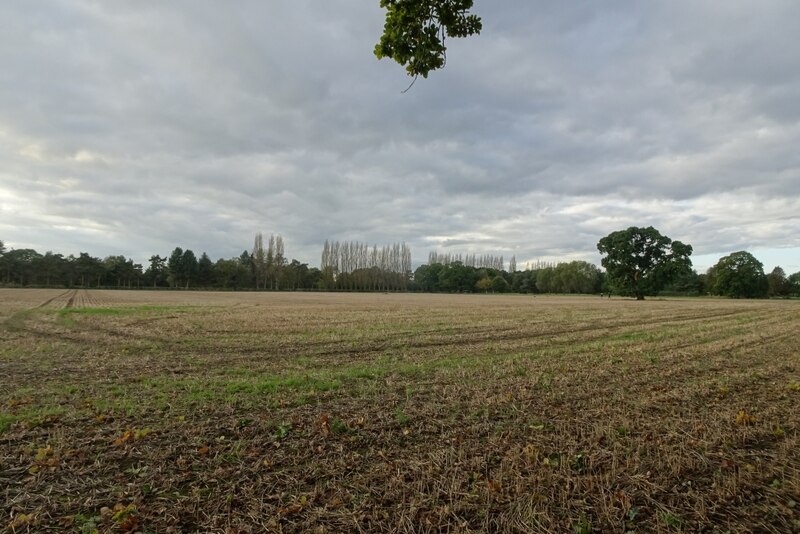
pixel 134 127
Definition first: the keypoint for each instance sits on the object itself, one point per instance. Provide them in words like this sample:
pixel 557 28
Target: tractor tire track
pixel 50 300
pixel 71 300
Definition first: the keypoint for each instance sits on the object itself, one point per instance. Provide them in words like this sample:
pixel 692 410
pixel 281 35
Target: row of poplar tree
pixel 356 266
pixel 345 266
pixel 484 261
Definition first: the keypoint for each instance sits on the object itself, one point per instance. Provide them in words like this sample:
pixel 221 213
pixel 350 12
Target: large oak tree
pixel 641 261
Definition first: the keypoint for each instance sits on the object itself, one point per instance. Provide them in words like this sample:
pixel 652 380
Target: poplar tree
pixel 258 261
pixel 279 260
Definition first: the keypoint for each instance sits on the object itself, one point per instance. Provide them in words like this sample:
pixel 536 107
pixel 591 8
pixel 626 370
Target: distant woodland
pixel 356 266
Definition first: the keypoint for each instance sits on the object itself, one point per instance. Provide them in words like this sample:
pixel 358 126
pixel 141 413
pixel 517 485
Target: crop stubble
pixel 246 412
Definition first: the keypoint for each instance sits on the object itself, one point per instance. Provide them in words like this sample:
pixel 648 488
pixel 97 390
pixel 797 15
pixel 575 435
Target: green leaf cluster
pixel 415 31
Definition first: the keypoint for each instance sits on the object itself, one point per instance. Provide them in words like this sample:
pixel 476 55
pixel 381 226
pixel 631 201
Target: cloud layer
pixel 133 128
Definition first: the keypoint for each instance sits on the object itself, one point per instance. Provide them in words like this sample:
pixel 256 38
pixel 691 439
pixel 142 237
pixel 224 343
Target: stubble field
pixel 279 412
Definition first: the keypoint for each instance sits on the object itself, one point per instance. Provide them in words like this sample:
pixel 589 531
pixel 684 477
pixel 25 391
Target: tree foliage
pixel 415 31
pixel 485 261
pixel 687 283
pixel 456 277
pixel 499 284
pixel 232 274
pixel 777 283
pixel 794 284
pixel 641 261
pixel 21 265
pixel 189 267
pixel 121 271
pixel 175 267
pixel 739 275
pixel 205 271
pixel 572 277
pixel 156 273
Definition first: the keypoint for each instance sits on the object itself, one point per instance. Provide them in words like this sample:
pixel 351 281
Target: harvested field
pixel 280 412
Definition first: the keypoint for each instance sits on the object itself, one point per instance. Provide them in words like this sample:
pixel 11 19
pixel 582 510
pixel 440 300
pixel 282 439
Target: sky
pixel 135 127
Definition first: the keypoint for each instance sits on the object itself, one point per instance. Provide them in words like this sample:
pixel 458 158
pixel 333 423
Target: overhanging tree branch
pixel 415 31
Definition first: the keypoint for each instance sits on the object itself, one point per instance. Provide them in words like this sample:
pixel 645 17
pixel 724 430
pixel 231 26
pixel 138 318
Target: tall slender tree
pixel 175 267
pixel 190 267
pixel 205 271
pixel 270 262
pixel 258 261
pixel 245 276
pixel 278 260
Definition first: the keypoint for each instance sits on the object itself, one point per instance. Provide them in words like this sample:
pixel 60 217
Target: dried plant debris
pixel 280 412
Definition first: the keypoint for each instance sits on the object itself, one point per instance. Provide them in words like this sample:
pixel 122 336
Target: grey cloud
pixel 135 127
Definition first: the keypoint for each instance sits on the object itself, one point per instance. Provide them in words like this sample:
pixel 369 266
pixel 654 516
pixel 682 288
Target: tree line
pixel 638 262
pixel 261 268
pixel 642 261
pixel 485 261
pixel 456 277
